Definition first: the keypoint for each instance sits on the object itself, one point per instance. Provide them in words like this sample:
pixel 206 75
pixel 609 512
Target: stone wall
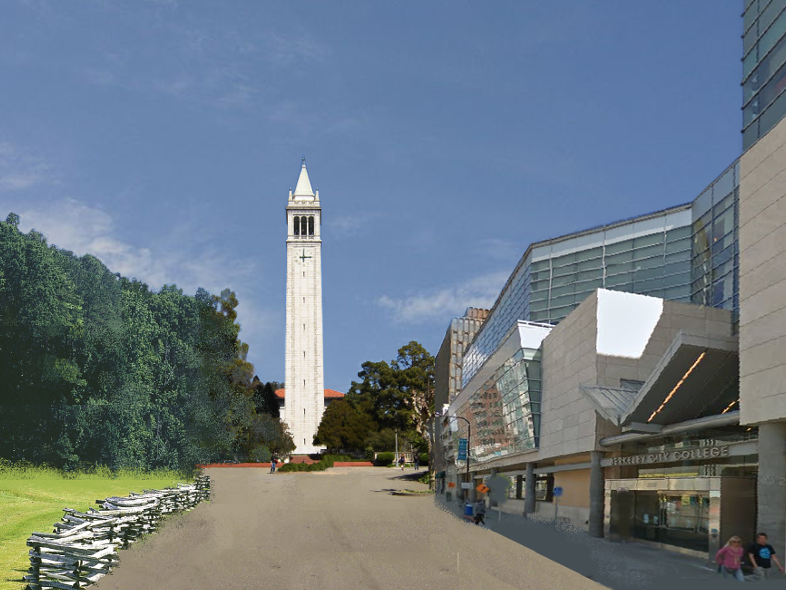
pixel 762 235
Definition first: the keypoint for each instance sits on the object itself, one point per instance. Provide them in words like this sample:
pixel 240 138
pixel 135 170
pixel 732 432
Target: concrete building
pixel 762 330
pixel 448 367
pixel 660 417
pixel 304 360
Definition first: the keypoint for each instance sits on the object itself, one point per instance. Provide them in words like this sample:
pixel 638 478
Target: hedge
pixel 384 459
pixel 324 463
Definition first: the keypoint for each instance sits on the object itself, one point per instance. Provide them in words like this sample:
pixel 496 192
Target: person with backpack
pixel 729 559
pixel 417 462
pixel 273 465
pixel 401 462
pixel 761 555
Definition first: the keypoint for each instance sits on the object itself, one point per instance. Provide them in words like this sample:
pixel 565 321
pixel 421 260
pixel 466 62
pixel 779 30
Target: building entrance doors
pixel 680 519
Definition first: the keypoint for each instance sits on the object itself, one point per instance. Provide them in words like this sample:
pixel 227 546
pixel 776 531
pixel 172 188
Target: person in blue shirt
pixel 761 555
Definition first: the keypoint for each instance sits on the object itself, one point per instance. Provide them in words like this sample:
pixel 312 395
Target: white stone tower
pixel 304 401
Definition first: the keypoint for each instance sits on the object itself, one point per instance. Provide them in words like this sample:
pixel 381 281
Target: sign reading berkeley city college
pixel 462 450
pixel 671 456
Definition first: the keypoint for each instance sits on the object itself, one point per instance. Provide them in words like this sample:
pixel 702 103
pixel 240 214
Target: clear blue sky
pixel 163 137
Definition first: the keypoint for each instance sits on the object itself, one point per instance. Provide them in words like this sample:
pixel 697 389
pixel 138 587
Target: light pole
pixel 396 460
pixel 469 436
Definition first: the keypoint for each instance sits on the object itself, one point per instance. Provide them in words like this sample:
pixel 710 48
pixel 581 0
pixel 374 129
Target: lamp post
pixel 469 436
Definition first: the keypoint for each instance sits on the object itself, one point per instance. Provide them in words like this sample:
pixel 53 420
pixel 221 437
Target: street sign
pixel 462 449
pixel 557 491
pixel 466 486
pixel 482 488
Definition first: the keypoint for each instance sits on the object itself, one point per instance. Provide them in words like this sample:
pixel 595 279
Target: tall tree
pixel 344 428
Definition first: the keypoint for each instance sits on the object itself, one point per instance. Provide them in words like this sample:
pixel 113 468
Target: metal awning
pixel 697 376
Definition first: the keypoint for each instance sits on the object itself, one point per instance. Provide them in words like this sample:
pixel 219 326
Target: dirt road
pixel 335 530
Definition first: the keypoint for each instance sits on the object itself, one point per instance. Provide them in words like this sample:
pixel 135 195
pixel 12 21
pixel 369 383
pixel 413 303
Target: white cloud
pixel 83 229
pixel 442 304
pixel 20 169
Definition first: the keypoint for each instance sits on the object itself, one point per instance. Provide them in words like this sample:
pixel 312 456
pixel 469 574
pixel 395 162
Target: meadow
pixel 32 500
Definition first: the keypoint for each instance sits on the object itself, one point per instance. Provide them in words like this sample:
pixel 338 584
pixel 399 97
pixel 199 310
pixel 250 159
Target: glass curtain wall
pixel 513 305
pixel 657 264
pixel 505 411
pixel 715 249
pixel 763 68
pixel 546 291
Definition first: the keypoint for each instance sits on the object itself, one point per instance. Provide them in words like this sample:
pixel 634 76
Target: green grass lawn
pixel 33 500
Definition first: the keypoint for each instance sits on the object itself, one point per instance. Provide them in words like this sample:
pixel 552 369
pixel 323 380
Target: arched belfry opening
pixel 311 225
pixel 297 225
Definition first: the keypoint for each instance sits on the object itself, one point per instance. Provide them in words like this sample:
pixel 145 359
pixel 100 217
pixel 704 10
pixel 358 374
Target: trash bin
pixel 468 510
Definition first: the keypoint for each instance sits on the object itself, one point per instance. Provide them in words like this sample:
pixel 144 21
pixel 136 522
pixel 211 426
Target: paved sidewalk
pixel 614 565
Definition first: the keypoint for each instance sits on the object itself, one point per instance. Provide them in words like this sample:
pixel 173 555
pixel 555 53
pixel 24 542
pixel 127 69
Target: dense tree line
pixel 96 368
pixel 389 396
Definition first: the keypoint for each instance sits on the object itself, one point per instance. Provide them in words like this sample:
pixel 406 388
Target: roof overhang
pixel 697 376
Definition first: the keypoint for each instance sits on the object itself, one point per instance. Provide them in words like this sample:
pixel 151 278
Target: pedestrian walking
pixel 417 462
pixel 272 465
pixel 761 555
pixel 729 559
pixel 480 512
pixel 401 462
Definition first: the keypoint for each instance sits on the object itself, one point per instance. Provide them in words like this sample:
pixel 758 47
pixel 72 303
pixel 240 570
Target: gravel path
pixel 335 530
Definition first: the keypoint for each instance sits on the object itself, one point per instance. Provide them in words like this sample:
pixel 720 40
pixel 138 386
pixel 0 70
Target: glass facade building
pixel 763 68
pixel 715 259
pixel 649 255
pixel 504 412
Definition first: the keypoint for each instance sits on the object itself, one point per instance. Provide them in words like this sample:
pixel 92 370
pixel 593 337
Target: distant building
pixel 448 365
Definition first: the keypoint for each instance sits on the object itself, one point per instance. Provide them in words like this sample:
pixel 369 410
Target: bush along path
pixel 83 547
pixel 324 463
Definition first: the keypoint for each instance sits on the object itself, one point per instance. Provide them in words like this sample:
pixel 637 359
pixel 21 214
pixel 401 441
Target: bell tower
pixel 304 397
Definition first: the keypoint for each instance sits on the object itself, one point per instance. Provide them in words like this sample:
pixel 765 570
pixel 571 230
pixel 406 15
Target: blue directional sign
pixel 558 491
pixel 462 450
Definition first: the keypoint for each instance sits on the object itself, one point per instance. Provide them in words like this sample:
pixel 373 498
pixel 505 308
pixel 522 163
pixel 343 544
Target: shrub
pixel 260 454
pixel 424 458
pixel 384 459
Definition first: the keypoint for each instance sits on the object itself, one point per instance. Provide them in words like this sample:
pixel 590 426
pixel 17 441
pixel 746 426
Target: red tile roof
pixel 329 393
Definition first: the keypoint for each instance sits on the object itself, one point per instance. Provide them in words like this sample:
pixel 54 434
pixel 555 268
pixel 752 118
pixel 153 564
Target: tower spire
pixel 303 187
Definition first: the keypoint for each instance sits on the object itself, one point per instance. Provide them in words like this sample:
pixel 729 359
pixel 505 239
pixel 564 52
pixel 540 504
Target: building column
pixel 529 494
pixel 492 503
pixel 519 482
pixel 771 491
pixel 596 493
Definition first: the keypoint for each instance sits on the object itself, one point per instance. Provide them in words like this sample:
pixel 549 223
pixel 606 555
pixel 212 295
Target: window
pixel 544 488
pixel 297 225
pixel 311 225
pixel 631 384
pixel 303 225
